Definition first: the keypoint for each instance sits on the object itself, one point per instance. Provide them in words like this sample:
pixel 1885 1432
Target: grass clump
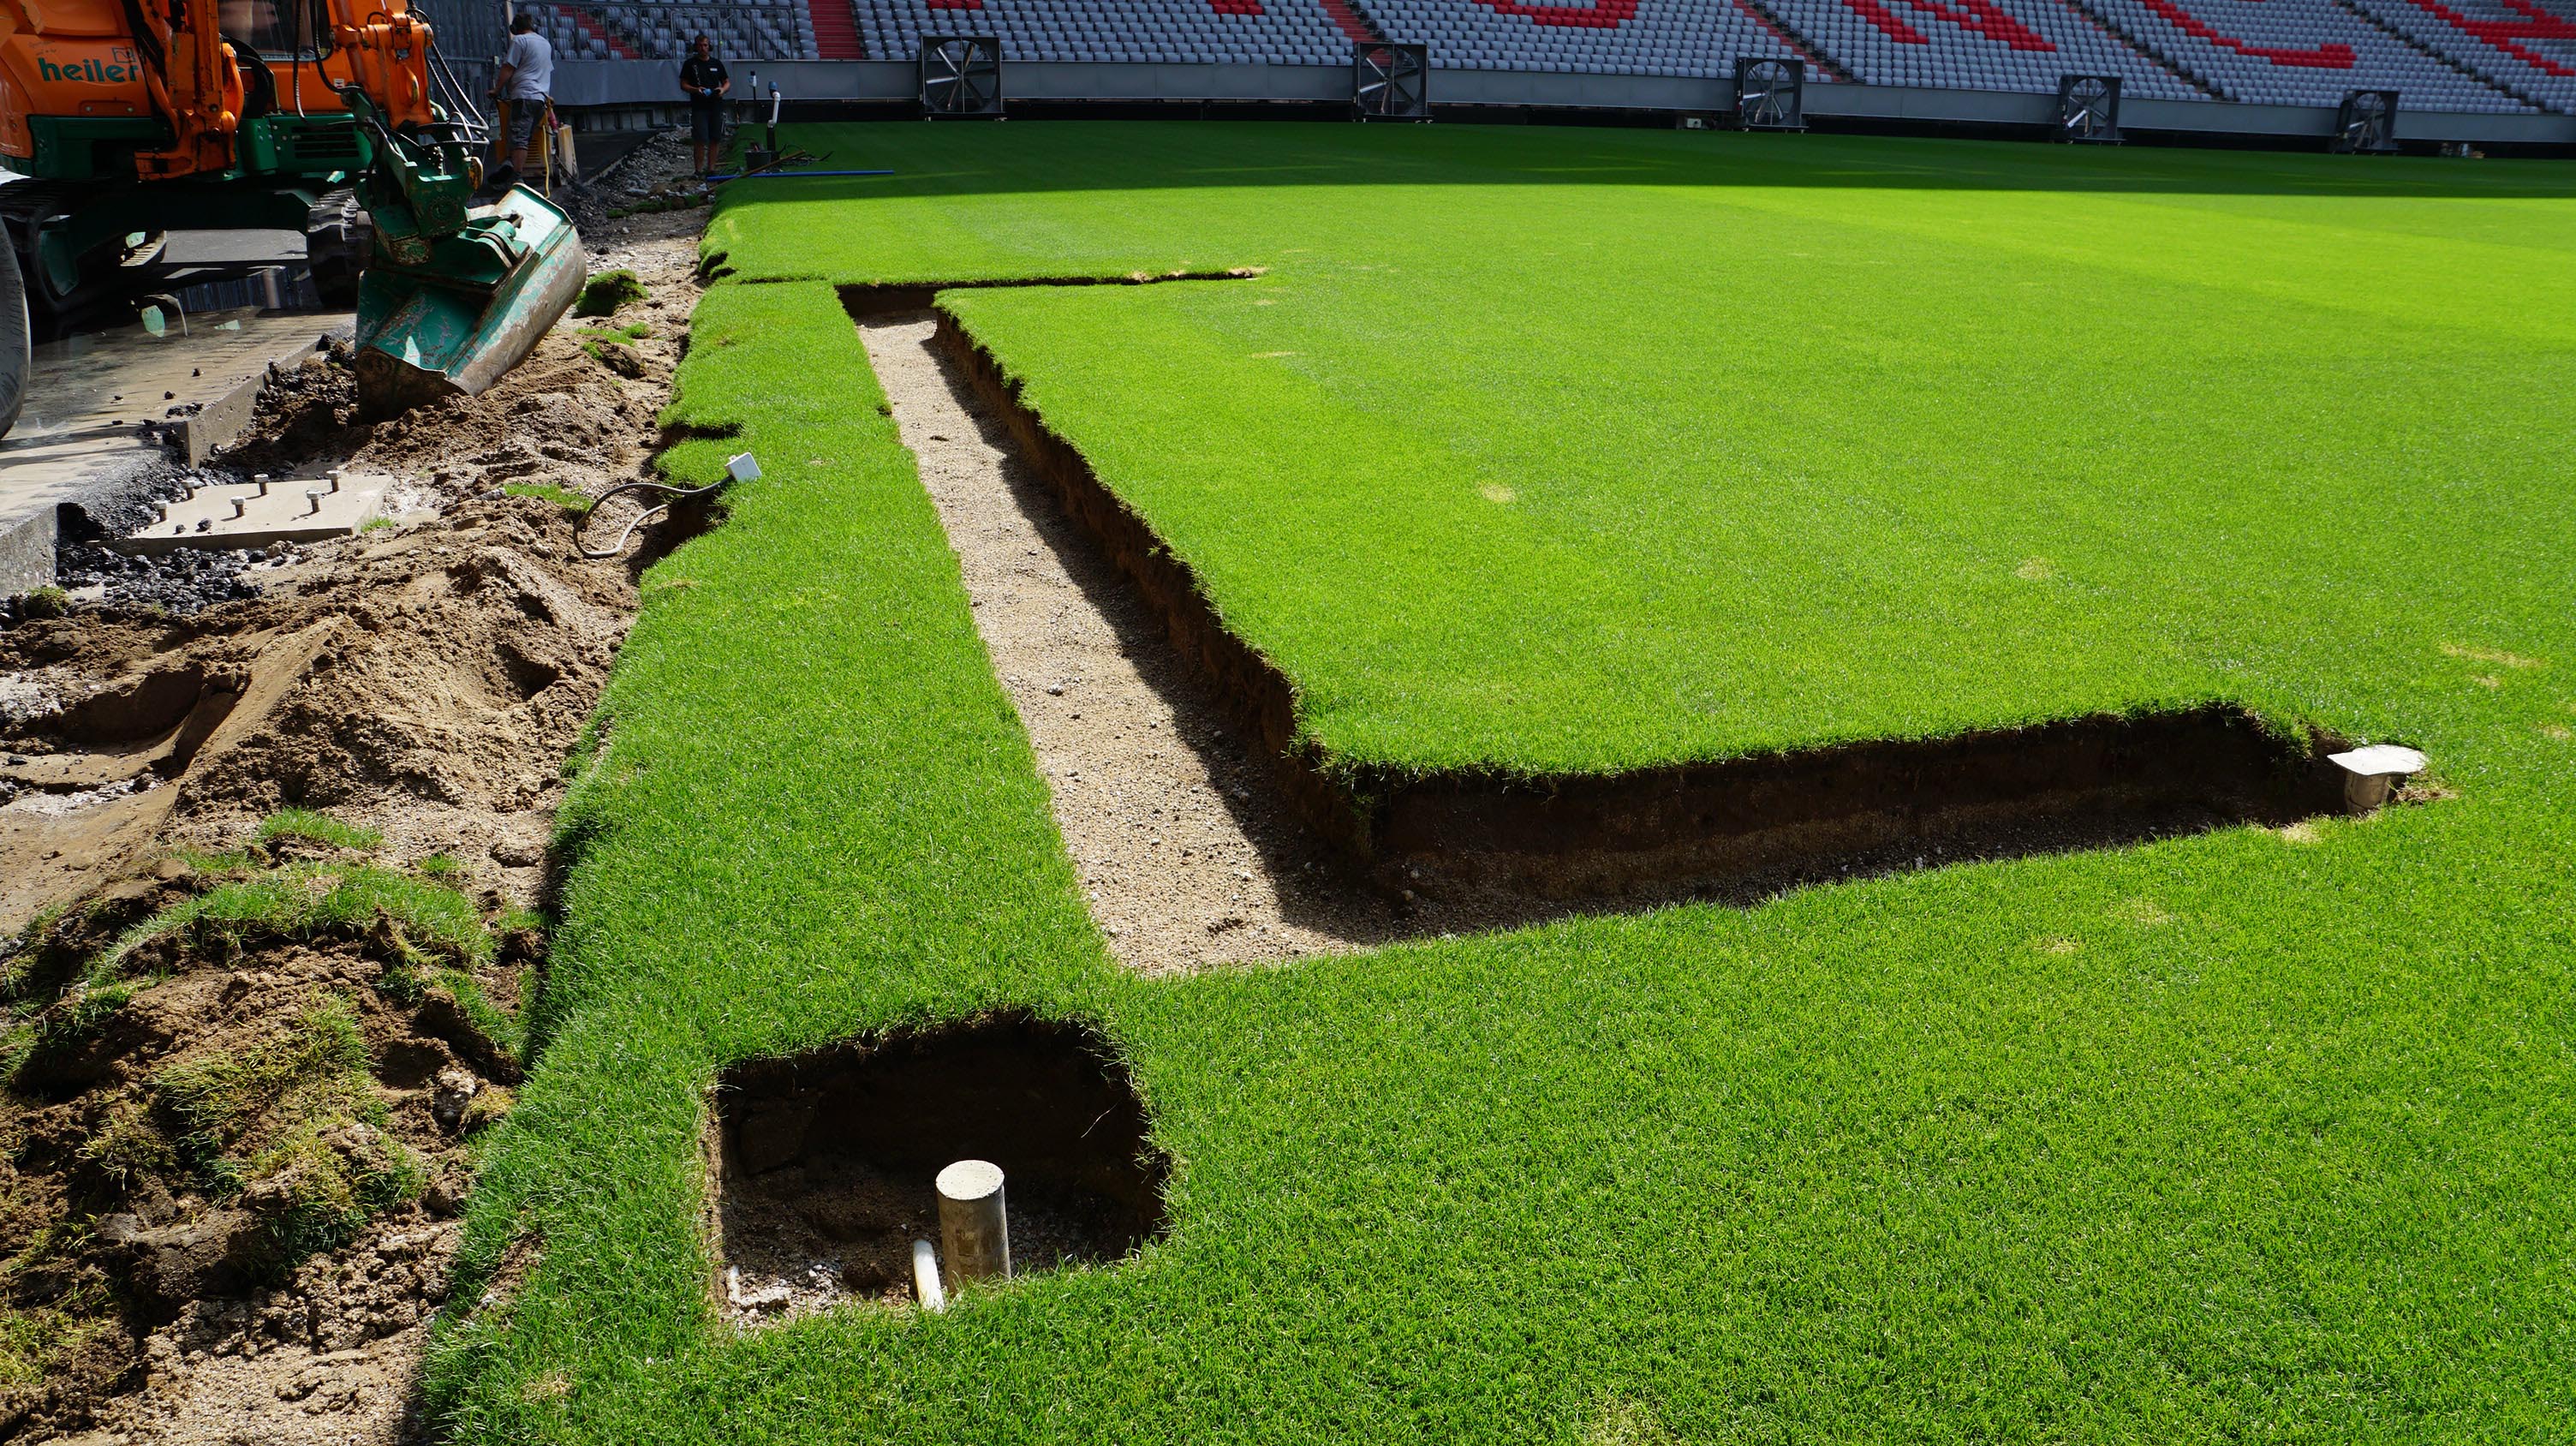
pixel 317 1070
pixel 607 292
pixel 45 603
pixel 293 1128
pixel 19 956
pixel 300 900
pixel 33 1339
pixel 77 1016
pixel 309 826
pixel 128 1147
pixel 561 496
pixel 416 978
pixel 490 1105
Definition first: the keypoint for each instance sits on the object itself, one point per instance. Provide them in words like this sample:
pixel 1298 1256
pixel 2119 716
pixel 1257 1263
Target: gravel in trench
pixel 1185 850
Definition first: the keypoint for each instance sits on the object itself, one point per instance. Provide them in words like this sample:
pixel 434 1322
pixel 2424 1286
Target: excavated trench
pixel 822 1163
pixel 1205 834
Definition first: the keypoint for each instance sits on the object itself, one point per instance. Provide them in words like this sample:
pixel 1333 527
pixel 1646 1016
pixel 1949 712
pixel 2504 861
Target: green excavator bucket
pixel 451 321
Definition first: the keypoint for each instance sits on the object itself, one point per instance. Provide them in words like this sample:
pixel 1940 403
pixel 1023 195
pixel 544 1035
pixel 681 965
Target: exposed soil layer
pixel 423 680
pixel 823 1163
pixel 1182 841
pixel 1446 852
pixel 267 1272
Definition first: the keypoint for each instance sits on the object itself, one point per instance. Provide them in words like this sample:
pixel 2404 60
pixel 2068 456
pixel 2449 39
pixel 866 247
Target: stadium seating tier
pixel 2493 56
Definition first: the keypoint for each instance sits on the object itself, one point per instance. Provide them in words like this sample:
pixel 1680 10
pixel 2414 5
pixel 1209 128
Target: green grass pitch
pixel 1565 450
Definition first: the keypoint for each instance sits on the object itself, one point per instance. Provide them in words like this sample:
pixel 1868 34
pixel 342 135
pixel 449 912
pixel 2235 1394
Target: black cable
pixel 676 494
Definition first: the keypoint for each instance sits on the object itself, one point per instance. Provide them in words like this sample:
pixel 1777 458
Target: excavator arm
pixel 455 294
pixel 199 79
pixel 194 81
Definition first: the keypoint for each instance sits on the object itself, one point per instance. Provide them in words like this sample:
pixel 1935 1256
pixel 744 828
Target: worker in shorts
pixel 527 78
pixel 706 80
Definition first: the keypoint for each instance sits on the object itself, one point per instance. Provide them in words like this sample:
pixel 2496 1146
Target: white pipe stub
pixel 925 1277
pixel 2370 772
pixel 974 1229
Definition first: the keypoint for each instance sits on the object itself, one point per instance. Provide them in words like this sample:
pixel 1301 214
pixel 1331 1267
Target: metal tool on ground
pixel 741 467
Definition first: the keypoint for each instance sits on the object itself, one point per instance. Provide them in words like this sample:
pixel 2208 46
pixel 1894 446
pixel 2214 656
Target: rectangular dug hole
pixel 823 1162
pixel 1732 827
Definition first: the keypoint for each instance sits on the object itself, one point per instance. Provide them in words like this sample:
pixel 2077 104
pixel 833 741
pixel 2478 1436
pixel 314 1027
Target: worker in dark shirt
pixel 706 80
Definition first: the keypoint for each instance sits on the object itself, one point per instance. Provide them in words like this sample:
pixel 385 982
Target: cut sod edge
pixel 1784 817
pixel 867 301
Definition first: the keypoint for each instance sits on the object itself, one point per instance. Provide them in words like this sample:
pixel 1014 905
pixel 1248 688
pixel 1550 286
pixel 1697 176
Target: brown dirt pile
pixel 185 1257
pixel 427 681
pixel 232 1159
pixel 579 412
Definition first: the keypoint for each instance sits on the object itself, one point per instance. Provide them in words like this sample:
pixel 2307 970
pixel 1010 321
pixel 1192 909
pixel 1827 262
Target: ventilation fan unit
pixel 1770 95
pixel 961 76
pixel 1391 82
pixel 2367 124
pixel 2088 109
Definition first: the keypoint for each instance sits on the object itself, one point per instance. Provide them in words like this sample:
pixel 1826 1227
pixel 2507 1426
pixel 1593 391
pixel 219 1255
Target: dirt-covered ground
pixel 272 863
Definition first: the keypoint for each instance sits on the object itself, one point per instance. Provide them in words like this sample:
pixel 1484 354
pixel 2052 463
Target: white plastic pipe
pixel 925 1277
pixel 974 1229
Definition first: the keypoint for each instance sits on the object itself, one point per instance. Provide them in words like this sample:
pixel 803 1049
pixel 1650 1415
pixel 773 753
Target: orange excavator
pixel 127 119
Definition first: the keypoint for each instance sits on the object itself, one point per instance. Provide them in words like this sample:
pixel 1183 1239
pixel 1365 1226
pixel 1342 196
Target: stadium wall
pixel 631 84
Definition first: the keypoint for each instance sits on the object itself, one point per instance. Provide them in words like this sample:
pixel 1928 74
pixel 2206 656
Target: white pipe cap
pixel 742 468
pixel 2379 760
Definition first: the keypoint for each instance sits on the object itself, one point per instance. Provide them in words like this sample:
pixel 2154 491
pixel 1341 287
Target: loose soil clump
pixel 236 1142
